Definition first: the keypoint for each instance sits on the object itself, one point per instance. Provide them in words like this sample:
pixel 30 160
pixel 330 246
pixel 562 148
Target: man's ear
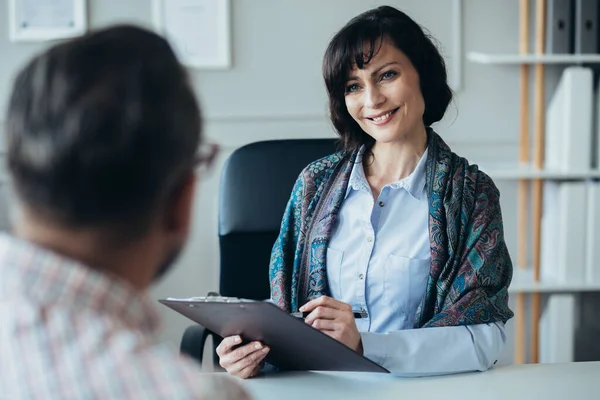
pixel 178 217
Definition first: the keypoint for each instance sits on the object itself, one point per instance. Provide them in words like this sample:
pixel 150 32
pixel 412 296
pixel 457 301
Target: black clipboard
pixel 295 346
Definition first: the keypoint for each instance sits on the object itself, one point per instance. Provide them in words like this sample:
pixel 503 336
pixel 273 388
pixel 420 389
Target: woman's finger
pixel 322 312
pixel 326 301
pixel 253 368
pixel 227 343
pixel 327 325
pixel 234 356
pixel 250 360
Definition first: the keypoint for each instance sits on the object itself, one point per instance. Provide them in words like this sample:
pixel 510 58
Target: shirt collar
pixel 414 183
pixel 358 180
pixel 52 280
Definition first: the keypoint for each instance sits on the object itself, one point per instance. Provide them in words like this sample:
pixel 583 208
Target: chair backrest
pixel 256 184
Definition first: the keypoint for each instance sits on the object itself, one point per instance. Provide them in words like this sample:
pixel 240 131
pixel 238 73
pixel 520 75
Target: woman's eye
pixel 388 75
pixel 352 88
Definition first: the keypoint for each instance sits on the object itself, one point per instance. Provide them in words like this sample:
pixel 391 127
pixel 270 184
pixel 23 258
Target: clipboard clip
pixel 211 297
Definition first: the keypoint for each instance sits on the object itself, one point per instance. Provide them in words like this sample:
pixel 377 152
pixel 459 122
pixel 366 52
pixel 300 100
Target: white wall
pixel 275 90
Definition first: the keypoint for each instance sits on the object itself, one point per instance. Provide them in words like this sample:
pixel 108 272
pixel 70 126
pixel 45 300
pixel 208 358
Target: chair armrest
pixel 193 341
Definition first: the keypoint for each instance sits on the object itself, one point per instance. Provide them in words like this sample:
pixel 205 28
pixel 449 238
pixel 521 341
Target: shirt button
pixel 361 277
pixel 381 204
pixel 369 239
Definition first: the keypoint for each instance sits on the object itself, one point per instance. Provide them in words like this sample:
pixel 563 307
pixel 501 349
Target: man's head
pixel 102 133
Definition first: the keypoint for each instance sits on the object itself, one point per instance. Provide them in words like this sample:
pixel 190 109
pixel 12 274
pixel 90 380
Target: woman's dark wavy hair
pixel 347 48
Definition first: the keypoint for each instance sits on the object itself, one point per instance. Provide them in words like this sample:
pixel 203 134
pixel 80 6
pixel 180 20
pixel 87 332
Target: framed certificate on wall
pixel 198 30
pixel 40 20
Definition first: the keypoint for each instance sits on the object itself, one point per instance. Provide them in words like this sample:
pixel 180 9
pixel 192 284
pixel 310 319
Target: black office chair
pixel 256 183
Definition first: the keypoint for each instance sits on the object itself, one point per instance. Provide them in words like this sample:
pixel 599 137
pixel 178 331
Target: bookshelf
pixel 531 175
pixel 519 59
pixel 524 283
pixel 530 172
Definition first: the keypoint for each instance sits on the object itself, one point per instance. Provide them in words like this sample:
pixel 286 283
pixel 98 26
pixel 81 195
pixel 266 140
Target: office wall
pixel 274 90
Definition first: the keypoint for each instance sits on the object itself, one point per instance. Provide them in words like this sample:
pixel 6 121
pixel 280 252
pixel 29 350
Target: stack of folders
pixel 564 242
pixel 596 136
pixel 572 26
pixel 571 232
pixel 570 255
pixel 571 209
pixel 570 251
pixel 569 122
pixel 592 254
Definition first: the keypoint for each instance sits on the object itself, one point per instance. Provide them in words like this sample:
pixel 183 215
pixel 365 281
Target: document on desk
pixel 295 346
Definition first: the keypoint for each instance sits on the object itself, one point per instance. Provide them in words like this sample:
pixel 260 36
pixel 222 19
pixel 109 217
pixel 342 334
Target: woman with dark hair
pixel 394 245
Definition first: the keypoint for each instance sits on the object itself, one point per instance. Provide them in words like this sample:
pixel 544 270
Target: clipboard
pixel 295 346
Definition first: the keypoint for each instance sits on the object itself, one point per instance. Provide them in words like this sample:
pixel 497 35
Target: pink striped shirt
pixel 70 332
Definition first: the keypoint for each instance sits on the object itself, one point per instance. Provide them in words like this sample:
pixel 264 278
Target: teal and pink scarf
pixel 470 265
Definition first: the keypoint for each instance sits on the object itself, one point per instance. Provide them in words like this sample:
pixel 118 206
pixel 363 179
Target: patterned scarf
pixel 470 265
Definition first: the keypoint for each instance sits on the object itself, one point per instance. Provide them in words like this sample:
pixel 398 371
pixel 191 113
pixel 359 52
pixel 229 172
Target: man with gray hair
pixel 103 135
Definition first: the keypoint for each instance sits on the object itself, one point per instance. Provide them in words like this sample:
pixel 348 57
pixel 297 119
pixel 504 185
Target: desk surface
pixel 540 381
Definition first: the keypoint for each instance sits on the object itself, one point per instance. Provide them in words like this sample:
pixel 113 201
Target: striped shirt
pixel 68 331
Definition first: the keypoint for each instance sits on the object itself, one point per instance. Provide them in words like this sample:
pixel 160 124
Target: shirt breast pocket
pixel 405 283
pixel 334 272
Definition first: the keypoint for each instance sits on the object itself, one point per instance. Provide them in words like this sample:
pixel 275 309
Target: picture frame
pixel 38 21
pixel 198 30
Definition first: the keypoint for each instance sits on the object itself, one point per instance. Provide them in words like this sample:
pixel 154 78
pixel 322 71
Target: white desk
pixel 541 381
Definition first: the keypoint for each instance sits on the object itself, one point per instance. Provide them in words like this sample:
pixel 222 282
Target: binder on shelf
pixel 559 26
pixel 549 232
pixel 572 216
pixel 592 259
pixel 586 26
pixel 569 122
pixel 596 134
pixel 589 312
pixel 563 234
pixel 557 329
pixel 554 124
pixel 563 245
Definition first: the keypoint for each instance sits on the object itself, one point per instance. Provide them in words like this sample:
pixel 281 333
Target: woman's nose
pixel 374 98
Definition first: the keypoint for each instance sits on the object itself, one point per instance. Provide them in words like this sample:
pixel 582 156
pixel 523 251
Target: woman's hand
pixel 244 361
pixel 335 319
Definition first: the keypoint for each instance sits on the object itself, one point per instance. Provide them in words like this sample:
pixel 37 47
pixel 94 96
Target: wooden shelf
pixel 490 58
pixel 522 282
pixel 508 172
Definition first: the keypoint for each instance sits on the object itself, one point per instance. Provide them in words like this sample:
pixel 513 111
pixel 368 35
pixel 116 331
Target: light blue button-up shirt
pixel 378 261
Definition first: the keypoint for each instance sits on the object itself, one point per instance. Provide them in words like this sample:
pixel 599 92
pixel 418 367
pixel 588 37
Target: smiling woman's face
pixel 385 98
